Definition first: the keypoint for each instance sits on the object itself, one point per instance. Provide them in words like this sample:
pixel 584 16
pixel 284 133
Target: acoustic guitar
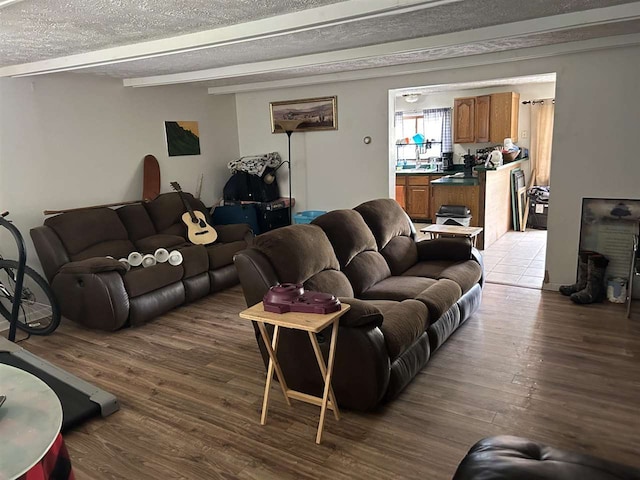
pixel 199 231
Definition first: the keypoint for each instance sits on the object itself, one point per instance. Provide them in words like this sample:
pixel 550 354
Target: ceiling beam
pixel 494 58
pixel 313 18
pixel 528 27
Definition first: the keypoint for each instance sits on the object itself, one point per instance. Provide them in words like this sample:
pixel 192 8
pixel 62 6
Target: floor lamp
pixel 289 127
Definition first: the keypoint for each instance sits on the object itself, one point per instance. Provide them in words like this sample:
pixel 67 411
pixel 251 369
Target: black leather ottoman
pixel 516 458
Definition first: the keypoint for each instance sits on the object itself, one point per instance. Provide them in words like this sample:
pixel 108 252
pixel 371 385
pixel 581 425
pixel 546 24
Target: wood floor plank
pixel 190 385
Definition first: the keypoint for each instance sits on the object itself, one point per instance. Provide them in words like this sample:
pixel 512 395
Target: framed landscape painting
pixel 183 138
pixel 305 115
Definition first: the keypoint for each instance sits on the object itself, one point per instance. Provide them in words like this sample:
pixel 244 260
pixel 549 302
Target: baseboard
pixel 554 287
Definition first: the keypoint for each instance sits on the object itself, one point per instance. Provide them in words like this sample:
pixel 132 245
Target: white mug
pixel 135 259
pixel 175 258
pixel 162 255
pixel 148 260
pixel 125 262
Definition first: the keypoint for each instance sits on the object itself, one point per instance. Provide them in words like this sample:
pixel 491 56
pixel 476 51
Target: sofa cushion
pixel 400 253
pixel 85 228
pixel 348 233
pixel 466 273
pixel 362 312
pixel 137 221
pixel 330 281
pixel 114 248
pixel 152 243
pixel 365 270
pixel 440 297
pixel 195 259
pixel 297 252
pixel 167 209
pixel 221 254
pixel 398 288
pixel 139 280
pixel 386 219
pixel 403 324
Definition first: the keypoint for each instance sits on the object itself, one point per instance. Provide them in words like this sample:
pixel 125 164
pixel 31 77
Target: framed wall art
pixel 304 115
pixel 183 138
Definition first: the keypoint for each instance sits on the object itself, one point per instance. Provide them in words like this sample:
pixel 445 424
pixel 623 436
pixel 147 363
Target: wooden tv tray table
pixel 453 230
pixel 311 323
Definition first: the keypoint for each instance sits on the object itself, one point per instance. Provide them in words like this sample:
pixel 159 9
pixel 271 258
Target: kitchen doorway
pixel 436 135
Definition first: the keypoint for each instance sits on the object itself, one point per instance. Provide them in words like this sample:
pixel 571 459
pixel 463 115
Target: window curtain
pixel 397 123
pixel 437 126
pixel 541 140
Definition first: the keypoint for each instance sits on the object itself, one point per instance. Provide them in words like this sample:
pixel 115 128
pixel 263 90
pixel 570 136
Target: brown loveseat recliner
pixel 99 293
pixel 407 297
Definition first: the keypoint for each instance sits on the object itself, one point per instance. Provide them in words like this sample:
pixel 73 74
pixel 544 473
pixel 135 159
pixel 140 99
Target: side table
pixel 311 323
pixel 436 231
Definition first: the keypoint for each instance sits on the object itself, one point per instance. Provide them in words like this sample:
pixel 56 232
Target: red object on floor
pixel 55 465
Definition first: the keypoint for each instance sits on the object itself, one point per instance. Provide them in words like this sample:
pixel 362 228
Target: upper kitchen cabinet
pixel 464 111
pixel 488 118
pixel 504 116
pixel 483 114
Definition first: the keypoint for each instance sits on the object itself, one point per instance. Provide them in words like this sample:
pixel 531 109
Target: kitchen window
pixel 434 124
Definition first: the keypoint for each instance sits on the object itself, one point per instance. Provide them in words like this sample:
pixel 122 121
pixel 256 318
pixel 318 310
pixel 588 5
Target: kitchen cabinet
pixel 503 123
pixel 464 122
pixel 401 192
pixel 488 118
pixel 413 193
pixel 483 115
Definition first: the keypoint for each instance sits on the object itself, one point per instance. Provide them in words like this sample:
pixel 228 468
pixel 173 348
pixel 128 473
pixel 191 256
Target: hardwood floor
pixel 190 385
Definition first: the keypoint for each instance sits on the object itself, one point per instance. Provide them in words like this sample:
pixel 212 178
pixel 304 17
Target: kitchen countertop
pixel 453 181
pixel 482 168
pixel 418 171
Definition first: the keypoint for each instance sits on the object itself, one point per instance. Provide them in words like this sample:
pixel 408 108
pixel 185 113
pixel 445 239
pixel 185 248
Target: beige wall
pixel 71 140
pixel 597 117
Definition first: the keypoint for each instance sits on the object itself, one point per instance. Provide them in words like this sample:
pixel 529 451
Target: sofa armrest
pixel 454 249
pixel 50 249
pixel 96 300
pixel 361 313
pixel 234 233
pixel 93 265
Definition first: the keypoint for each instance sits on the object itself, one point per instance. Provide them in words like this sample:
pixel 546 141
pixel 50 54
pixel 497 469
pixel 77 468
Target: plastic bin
pixel 458 215
pixel 307 216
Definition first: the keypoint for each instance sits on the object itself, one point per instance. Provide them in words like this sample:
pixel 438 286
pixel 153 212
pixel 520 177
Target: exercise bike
pixel 35 309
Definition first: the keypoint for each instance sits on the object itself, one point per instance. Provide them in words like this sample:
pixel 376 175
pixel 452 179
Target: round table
pixel 30 421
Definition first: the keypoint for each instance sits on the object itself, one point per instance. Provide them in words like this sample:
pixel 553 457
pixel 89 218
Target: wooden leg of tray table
pixel 323 370
pixel 327 381
pixel 272 348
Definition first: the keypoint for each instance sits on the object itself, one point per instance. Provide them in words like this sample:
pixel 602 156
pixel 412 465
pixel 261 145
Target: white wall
pixel 72 140
pixel 597 118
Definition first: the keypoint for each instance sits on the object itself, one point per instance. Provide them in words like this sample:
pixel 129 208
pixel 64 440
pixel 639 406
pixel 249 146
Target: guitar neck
pixel 187 206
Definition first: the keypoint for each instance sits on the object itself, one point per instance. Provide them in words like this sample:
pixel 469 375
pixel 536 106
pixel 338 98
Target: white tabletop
pixel 30 420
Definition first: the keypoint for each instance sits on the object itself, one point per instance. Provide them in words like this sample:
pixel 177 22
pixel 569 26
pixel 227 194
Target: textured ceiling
pixel 35 30
pixel 433 21
pixel 476 48
pixel 526 80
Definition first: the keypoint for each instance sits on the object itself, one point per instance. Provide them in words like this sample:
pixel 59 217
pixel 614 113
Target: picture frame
pixel 183 138
pixel 305 115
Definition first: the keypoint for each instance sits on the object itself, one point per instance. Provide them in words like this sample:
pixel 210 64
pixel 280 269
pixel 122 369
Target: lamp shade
pixel 288 125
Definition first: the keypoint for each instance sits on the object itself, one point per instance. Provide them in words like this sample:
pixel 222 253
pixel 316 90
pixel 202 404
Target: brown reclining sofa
pixel 409 296
pixel 98 292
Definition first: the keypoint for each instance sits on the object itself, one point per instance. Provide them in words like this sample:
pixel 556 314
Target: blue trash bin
pixel 307 216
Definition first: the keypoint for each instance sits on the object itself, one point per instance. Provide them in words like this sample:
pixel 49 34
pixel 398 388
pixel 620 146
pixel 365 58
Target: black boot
pixel 595 289
pixel 581 282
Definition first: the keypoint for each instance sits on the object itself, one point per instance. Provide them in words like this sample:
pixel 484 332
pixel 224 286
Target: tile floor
pixel 517 258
